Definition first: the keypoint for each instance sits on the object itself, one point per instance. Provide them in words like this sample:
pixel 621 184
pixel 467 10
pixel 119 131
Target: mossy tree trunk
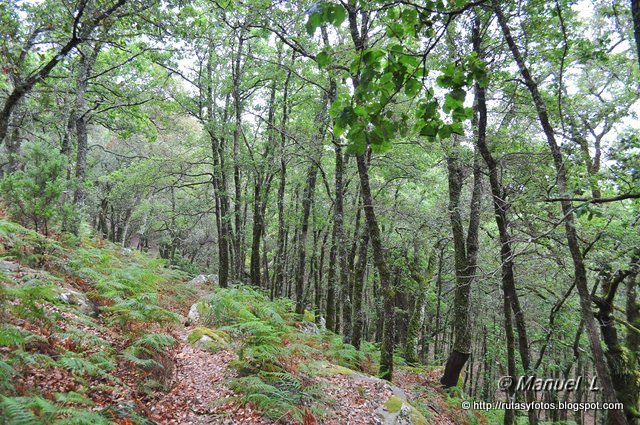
pixel 416 319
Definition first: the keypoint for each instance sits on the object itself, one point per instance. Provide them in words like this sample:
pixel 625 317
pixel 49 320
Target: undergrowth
pixel 278 363
pixel 46 337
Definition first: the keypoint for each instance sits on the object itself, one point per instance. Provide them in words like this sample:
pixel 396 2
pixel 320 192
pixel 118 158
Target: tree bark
pixel 465 254
pixel 415 322
pixel 357 313
pixel 238 270
pixel 500 208
pixel 388 292
pixel 580 273
pixel 85 66
pixel 635 12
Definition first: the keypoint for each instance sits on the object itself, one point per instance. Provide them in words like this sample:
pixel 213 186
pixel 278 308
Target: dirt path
pixel 199 395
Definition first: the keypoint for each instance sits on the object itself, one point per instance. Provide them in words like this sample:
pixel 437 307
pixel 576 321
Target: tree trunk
pixel 388 292
pixel 415 322
pixel 307 202
pixel 465 263
pixel 238 271
pixel 500 208
pixel 278 273
pixel 580 272
pixel 87 61
pixel 357 312
pixel 219 181
pixel 635 12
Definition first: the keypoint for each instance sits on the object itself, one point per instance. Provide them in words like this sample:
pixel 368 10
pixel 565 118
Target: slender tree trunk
pixel 307 202
pixel 465 262
pixel 635 12
pixel 256 233
pixel 357 311
pixel 87 61
pixel 278 273
pixel 580 273
pixel 388 291
pixel 500 207
pixel 416 319
pixel 238 271
pixel 219 181
pixel 262 186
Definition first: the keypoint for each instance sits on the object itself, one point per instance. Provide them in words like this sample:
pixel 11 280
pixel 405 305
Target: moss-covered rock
pixel 212 340
pixel 394 404
pixel 397 411
pixel 197 312
pixel 340 370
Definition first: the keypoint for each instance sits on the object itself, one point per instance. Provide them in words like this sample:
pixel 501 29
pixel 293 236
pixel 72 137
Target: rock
pixel 208 339
pixel 73 297
pixel 197 311
pixel 194 315
pixel 309 328
pixel 9 266
pixel 210 279
pixel 323 323
pixel 397 411
pixel 126 251
pixel 198 280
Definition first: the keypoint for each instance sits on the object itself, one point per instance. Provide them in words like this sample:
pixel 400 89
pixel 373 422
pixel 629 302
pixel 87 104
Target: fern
pixel 97 364
pixel 81 417
pixel 156 342
pixel 134 358
pixel 17 411
pixel 12 336
pixel 146 348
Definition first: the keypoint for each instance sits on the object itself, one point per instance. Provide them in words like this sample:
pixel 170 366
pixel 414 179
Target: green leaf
pixel 339 15
pixel 445 131
pixel 323 59
pixel 412 87
pixel 457 128
pixel 314 21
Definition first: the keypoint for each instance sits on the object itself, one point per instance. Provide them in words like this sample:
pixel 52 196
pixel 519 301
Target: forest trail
pixel 200 396
pixel 105 335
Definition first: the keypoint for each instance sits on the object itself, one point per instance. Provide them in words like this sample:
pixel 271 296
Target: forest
pixel 437 200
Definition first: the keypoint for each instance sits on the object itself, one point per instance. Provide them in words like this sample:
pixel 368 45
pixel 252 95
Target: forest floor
pixel 92 334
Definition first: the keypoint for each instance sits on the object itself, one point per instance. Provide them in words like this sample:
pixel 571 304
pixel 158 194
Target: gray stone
pixel 73 297
pixel 211 279
pixel 309 328
pixel 323 323
pixel 9 266
pixel 399 412
pixel 194 314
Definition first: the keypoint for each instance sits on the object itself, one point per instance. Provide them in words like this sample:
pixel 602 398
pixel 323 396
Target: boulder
pixel 73 297
pixel 397 411
pixel 323 323
pixel 208 339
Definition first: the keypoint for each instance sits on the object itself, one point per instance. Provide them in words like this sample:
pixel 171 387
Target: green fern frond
pixel 17 411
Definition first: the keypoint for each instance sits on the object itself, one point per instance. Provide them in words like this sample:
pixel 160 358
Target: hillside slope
pixel 97 334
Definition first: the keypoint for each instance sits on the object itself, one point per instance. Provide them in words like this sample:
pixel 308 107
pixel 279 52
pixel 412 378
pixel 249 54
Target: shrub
pixel 34 194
